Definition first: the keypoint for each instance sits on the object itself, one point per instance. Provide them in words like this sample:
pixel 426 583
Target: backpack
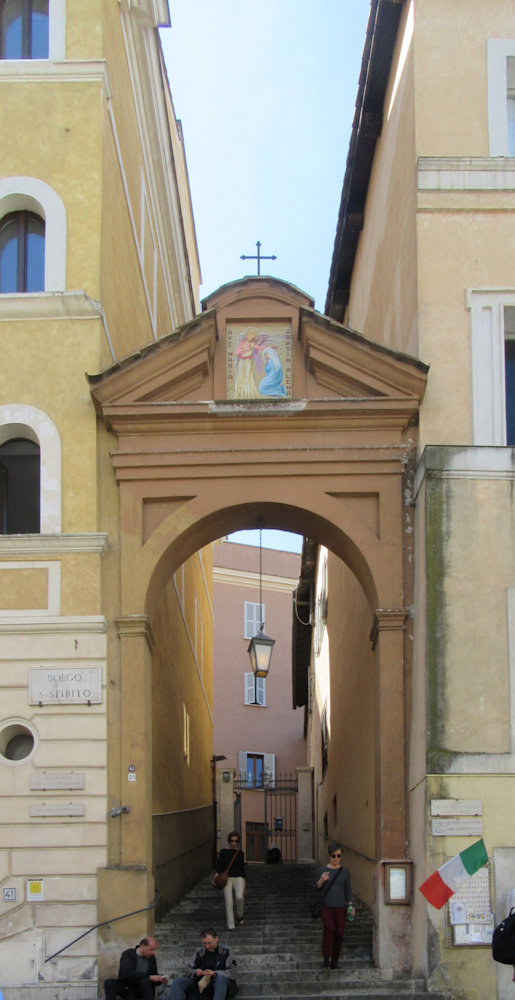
pixel 503 940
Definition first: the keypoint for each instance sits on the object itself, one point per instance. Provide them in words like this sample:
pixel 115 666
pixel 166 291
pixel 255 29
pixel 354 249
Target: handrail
pixel 103 924
pixel 182 854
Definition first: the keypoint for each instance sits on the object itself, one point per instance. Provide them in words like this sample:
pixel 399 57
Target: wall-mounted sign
pixel 57 809
pixel 35 890
pixel 459 826
pixel 65 685
pixel 43 781
pixel 456 807
pixel 10 895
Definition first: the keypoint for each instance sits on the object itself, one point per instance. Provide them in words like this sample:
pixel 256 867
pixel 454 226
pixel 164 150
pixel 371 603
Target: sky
pixel 266 92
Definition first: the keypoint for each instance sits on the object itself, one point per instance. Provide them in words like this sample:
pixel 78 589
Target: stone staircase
pixel 278 948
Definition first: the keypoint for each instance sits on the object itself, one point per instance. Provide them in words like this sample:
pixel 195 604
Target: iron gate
pixel 279 810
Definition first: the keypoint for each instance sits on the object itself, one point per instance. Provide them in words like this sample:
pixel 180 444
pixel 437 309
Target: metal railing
pixel 104 923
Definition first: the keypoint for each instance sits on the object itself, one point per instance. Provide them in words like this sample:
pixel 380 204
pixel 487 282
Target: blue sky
pixel 266 94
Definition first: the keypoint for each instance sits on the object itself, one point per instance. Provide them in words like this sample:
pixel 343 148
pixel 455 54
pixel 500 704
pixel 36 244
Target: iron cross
pixel 257 257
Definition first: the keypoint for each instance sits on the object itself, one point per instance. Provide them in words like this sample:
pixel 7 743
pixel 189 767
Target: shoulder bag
pixel 221 878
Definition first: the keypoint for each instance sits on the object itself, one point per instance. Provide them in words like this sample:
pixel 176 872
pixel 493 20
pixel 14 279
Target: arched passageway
pixel 194 458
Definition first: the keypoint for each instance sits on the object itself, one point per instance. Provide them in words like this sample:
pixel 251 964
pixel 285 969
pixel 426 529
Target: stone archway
pixel 328 459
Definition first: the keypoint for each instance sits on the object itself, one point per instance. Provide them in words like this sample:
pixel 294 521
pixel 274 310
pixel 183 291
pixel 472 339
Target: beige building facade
pixel 424 263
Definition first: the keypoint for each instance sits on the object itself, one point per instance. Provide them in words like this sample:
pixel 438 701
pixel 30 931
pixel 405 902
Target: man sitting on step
pixel 137 975
pixel 212 972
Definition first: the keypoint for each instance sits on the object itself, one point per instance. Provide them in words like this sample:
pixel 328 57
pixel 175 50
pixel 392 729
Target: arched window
pixel 19 487
pixel 22 252
pixel 24 29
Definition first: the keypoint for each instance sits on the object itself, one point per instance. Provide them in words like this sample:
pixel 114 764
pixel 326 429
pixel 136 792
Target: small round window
pixel 17 741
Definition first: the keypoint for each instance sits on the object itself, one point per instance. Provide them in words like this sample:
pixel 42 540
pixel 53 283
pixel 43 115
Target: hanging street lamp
pixel 261 645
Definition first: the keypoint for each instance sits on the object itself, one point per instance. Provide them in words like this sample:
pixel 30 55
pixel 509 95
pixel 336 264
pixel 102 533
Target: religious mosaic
pixel 258 361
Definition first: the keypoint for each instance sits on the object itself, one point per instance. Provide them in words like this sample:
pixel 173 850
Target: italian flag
pixel 443 883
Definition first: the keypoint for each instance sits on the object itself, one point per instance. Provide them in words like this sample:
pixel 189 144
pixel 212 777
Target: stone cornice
pixel 36 624
pixel 48 305
pixel 50 71
pixel 36 546
pixel 246 578
pixel 136 626
pixel 464 462
pixel 461 173
pixel 387 620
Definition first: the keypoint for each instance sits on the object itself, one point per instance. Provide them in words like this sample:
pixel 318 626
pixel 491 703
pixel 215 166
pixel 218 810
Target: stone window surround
pixel 19 420
pixel 19 193
pixel 499 50
pixel 487 348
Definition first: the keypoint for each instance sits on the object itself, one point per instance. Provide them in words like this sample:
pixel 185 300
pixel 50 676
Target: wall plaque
pixel 65 685
pixel 456 807
pixel 42 781
pixel 459 826
pixel 57 809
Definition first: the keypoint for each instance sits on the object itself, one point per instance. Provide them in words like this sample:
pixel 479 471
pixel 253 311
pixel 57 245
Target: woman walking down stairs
pixel 278 948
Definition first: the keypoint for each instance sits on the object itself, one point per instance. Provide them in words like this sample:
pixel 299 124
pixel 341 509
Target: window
pixel 254 617
pixel 186 733
pixel 511 105
pixel 493 366
pixel 18 421
pixel 22 253
pixel 255 690
pixel 501 96
pixel 19 487
pixel 24 29
pixel 324 740
pixel 257 770
pixel 509 372
pixel 321 602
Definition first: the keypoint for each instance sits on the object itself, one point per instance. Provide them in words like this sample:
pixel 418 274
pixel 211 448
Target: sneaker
pixel 326 964
pixel 240 921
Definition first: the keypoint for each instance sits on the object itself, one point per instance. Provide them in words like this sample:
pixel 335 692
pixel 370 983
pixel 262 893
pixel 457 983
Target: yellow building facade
pixel 97 258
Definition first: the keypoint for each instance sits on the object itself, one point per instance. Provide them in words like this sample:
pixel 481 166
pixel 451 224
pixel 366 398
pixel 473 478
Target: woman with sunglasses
pixel 233 859
pixel 334 882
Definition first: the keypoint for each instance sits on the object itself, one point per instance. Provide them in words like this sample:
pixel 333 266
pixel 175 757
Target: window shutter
pixel 269 769
pixel 242 765
pixel 249 688
pixel 252 614
pixel 260 690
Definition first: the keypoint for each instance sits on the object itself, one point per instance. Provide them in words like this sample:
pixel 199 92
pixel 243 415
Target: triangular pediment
pixel 321 360
pixel 351 366
pixel 172 368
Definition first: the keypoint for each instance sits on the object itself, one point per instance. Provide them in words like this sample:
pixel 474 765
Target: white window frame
pixel 31 194
pixel 253 617
pixel 487 349
pixel 255 689
pixel 499 50
pixel 269 763
pixel 17 420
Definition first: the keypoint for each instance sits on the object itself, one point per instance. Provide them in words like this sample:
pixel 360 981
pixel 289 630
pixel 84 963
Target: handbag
pixel 219 881
pixel 315 908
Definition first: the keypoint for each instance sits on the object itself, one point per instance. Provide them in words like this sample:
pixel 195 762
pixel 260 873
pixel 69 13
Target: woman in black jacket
pixel 334 881
pixel 233 859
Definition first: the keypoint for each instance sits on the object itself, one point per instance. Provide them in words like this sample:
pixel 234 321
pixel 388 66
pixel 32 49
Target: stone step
pixel 278 948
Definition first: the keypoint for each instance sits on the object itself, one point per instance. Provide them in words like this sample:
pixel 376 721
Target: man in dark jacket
pixel 137 975
pixel 212 972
